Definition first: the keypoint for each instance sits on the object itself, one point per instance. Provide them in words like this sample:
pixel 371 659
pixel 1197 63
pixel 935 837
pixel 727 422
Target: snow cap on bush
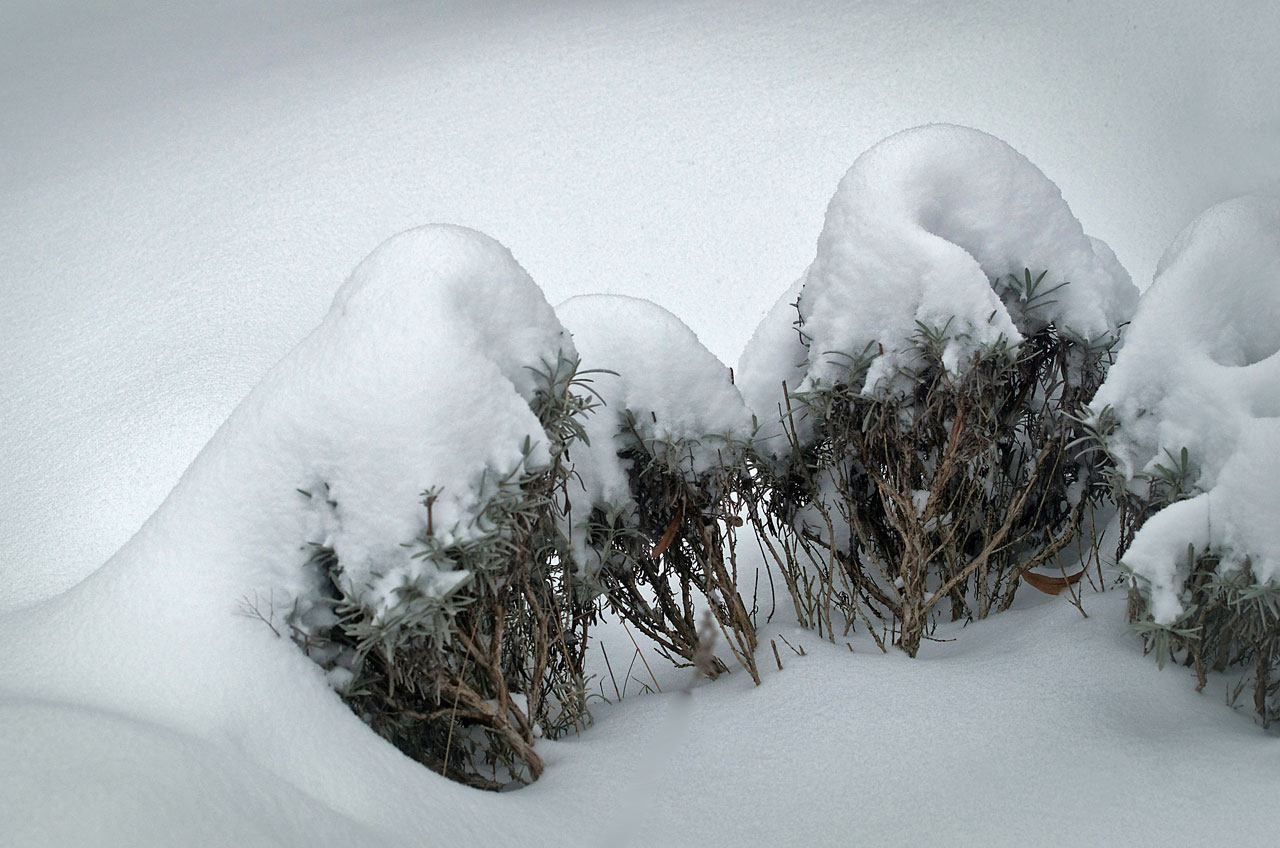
pixel 415 377
pixel 678 392
pixel 1199 371
pixel 653 493
pixel 420 376
pixel 916 232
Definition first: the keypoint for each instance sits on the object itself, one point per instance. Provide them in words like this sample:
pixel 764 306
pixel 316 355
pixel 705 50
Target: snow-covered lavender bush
pixel 661 479
pixel 1189 417
pixel 449 619
pixel 918 389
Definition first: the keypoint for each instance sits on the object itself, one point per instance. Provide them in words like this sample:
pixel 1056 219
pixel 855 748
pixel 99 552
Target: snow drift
pixel 419 376
pixel 141 708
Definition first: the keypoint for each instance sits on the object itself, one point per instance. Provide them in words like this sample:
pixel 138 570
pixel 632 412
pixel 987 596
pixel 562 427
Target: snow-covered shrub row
pixel 917 388
pixel 1190 415
pixel 464 529
pixel 665 477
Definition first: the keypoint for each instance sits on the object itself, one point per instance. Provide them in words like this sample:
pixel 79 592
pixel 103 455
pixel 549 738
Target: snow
pixel 187 184
pixel 1030 728
pixel 421 378
pixel 1198 371
pixel 417 377
pixel 139 787
pixel 680 396
pixel 774 356
pixel 917 232
pixel 657 385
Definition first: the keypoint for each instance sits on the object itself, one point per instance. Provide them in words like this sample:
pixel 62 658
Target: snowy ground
pixel 186 186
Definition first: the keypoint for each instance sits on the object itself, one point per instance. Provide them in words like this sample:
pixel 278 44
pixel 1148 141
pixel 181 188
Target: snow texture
pixel 680 397
pixel 1199 371
pixel 185 185
pixel 917 231
pixel 423 377
pixel 418 376
pixel 775 356
pixel 149 706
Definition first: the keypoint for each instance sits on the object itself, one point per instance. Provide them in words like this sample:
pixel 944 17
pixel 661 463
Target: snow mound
pixel 917 232
pixel 456 330
pixel 1199 371
pixel 419 376
pixel 678 394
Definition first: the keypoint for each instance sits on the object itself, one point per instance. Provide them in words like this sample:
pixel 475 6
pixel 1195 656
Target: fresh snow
pixel 680 397
pixel 775 359
pixel 186 185
pixel 1198 372
pixel 917 232
pixel 159 703
pixel 419 376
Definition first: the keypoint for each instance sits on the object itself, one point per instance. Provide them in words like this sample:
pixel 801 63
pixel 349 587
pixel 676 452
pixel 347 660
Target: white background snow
pixel 185 185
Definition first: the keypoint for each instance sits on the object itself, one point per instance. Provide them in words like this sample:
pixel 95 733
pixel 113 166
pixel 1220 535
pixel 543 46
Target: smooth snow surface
pixel 917 231
pixel 1199 371
pixel 774 364
pixel 157 704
